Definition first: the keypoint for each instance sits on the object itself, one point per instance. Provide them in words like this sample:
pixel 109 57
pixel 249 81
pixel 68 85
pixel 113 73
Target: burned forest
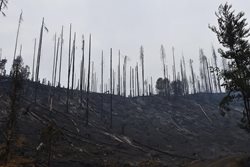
pixel 76 95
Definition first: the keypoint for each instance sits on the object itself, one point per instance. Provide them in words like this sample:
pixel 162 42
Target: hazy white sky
pixel 120 24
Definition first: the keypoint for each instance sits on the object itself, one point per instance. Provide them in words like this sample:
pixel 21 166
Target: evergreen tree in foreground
pixel 232 33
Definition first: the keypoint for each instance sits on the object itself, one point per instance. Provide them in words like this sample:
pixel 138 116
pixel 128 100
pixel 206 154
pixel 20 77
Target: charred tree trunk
pixel 152 89
pixel 54 60
pixel 33 65
pixel 73 64
pixel 111 100
pixel 142 64
pixel 69 67
pixel 133 82
pixel 209 77
pixel 87 111
pixel 82 70
pixel 17 35
pixel 163 59
pixel 137 78
pixel 125 76
pixel 174 67
pixel 119 74
pixel 130 81
pixel 60 66
pixel 192 75
pixel 216 69
pixel 38 59
pixel 102 92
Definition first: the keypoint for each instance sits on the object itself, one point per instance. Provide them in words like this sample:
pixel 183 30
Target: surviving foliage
pixel 232 33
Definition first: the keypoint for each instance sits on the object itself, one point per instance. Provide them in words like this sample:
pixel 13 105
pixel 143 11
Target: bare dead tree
pixel 216 69
pixel 186 86
pixel 17 35
pixel 39 57
pixel 73 63
pixel 114 82
pixel 209 76
pixel 133 82
pixel 137 78
pixel 1 52
pixel 192 75
pixel 102 92
pixel 163 59
pixel 87 111
pixel 142 64
pixel 102 66
pixel 174 67
pixel 54 59
pixel 82 70
pixel 130 81
pixel 61 53
pixel 111 100
pixel 125 76
pixel 92 78
pixel 152 89
pixel 33 65
pixel 69 67
pixel 119 74
pixel 51 92
pixel 205 72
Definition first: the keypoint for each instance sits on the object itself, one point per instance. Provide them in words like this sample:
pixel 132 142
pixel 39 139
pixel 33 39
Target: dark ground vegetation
pixel 147 131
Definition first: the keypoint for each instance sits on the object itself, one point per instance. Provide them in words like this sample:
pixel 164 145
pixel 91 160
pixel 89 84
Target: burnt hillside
pixel 153 130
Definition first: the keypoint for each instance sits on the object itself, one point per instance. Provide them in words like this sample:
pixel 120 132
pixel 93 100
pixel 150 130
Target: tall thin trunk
pixel 174 68
pixel 137 75
pixel 39 58
pixel 33 65
pixel 1 52
pixel 119 74
pixel 61 52
pixel 56 63
pixel 142 64
pixel 54 72
pixel 102 92
pixel 82 68
pixel 133 82
pixel 130 80
pixel 87 111
pixel 102 74
pixel 111 100
pixel 185 76
pixel 152 89
pixel 73 63
pixel 54 60
pixel 92 78
pixel 125 76
pixel 192 75
pixel 216 68
pixel 113 82
pixel 163 59
pixel 209 77
pixel 69 67
pixel 17 35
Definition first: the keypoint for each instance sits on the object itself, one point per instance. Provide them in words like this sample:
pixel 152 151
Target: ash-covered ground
pixel 146 131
